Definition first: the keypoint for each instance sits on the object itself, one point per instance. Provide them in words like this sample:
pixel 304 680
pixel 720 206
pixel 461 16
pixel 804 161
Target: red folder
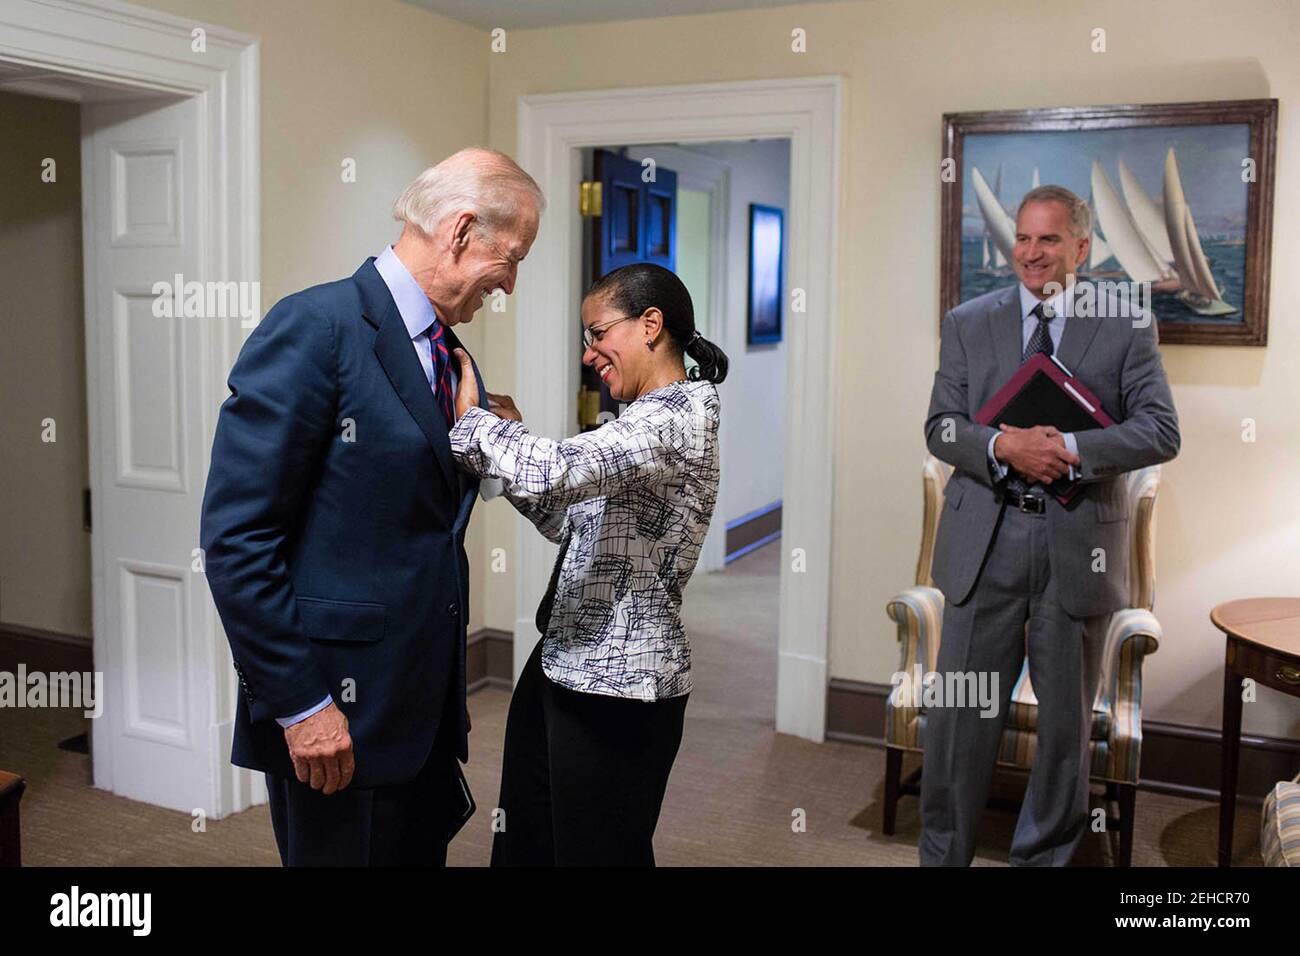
pixel 1045 392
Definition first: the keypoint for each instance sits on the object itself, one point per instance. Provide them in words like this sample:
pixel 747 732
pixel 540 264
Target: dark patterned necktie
pixel 1041 340
pixel 441 366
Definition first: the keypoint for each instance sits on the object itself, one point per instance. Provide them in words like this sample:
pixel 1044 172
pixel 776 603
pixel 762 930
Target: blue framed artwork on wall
pixel 763 319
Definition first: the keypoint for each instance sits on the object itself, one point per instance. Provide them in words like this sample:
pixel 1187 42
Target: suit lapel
pixel 1078 335
pixel 397 356
pixel 1005 331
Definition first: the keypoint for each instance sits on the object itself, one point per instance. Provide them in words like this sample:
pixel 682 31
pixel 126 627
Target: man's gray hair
pixel 485 181
pixel 1080 214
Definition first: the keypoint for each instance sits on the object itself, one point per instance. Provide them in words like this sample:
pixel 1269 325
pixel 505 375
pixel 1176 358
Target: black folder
pixel 1045 392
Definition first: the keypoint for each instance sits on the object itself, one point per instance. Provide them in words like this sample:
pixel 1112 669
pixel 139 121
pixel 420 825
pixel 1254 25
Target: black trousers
pixel 402 824
pixel 583 775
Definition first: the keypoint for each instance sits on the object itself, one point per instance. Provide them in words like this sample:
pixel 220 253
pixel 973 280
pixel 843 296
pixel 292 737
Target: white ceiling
pixel 527 14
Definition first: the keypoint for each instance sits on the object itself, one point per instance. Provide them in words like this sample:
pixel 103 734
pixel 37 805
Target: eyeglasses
pixel 591 335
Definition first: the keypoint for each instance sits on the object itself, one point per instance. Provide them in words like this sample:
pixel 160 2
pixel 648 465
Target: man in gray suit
pixel 1019 571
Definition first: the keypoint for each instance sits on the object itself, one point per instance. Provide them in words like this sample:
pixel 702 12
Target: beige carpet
pixel 736 790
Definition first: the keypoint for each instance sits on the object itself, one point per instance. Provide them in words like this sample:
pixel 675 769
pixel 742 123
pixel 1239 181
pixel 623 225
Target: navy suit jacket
pixel 334 530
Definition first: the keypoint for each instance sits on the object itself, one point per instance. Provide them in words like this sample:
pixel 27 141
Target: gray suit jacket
pixel 980 348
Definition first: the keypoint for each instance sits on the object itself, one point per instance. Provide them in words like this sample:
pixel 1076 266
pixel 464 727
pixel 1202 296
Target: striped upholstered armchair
pixel 1133 633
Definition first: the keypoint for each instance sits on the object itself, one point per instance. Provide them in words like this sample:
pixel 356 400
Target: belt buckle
pixel 1038 504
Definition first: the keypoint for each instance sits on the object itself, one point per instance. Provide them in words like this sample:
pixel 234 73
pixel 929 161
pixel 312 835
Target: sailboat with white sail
pixel 1099 253
pixel 998 225
pixel 1152 243
pixel 1200 292
pixel 1146 216
pixel 1133 253
pixel 993 261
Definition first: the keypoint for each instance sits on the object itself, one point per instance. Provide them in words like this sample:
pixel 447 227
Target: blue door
pixel 639 220
pixel 638 223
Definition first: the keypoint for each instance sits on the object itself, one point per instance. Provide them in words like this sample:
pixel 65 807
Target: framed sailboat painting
pixel 1181 196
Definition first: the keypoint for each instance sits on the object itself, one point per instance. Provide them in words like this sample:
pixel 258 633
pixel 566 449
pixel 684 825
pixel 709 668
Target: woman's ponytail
pixel 711 361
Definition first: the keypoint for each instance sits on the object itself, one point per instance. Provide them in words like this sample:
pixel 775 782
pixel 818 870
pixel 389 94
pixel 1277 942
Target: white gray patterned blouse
pixel 629 504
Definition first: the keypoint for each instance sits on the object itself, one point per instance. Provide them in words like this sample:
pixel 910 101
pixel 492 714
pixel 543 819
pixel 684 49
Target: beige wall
pixel 1229 515
pixel 381 82
pixel 44 550
pixel 384 83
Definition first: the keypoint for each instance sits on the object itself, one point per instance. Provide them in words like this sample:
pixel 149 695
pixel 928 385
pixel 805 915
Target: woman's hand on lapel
pixel 467 390
pixel 504 406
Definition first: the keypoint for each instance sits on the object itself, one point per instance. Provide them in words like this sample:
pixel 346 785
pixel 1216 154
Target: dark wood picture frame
pixel 1259 115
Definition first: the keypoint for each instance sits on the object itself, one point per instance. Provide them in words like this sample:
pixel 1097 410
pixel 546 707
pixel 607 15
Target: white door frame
pixel 552 128
pixel 108 44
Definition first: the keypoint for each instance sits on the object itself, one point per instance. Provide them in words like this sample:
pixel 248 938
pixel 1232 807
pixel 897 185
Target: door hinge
pixel 588 407
pixel 85 510
pixel 589 198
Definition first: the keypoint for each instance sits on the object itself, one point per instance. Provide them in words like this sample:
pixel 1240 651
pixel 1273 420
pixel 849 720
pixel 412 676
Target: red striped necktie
pixel 441 367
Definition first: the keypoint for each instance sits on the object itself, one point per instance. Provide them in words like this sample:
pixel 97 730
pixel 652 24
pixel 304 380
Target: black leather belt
pixel 1029 504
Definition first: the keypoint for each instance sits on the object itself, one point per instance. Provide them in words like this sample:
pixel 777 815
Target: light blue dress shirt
pixel 417 312
pixel 419 316
pixel 1055 329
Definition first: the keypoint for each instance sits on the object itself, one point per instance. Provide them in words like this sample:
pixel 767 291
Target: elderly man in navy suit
pixel 334 522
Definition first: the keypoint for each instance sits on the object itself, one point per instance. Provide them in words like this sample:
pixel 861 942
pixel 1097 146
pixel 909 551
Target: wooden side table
pixel 1263 644
pixel 11 791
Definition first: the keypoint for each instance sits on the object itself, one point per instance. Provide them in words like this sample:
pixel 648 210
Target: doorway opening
pixel 45 591
pixel 691 208
pixel 167 148
pixel 555 131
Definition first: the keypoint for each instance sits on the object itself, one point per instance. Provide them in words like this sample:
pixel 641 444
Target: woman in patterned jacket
pixel 596 717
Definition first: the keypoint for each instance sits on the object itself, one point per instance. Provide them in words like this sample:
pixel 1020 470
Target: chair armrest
pixel 1131 635
pixel 918 612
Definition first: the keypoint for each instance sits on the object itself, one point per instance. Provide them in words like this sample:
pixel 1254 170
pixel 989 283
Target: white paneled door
pixel 143 185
